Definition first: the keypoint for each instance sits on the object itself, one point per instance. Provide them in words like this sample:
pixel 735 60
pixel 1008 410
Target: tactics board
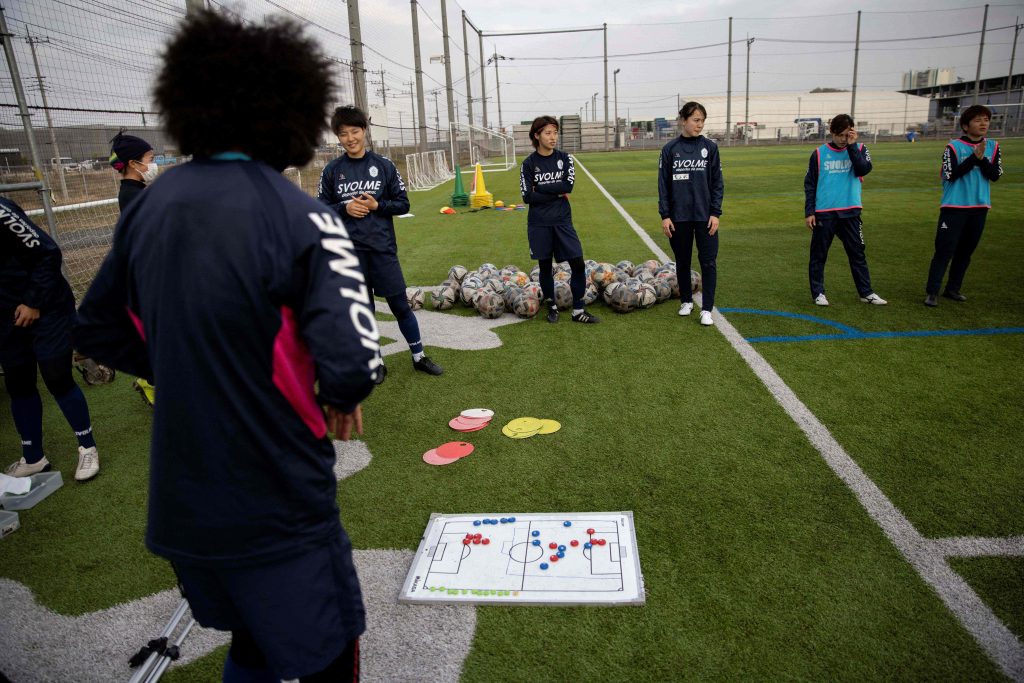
pixel 545 558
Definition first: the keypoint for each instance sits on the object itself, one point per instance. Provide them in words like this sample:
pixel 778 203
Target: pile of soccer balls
pixel 624 287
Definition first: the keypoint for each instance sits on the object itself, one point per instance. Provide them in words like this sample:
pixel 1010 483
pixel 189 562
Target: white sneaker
pixel 24 469
pixel 821 300
pixel 873 298
pixel 686 308
pixel 706 319
pixel 88 463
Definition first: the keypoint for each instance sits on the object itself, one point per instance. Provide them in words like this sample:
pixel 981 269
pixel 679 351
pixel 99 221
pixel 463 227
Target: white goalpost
pixel 427 170
pixel 471 145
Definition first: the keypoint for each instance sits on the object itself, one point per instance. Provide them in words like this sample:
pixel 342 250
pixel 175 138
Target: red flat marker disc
pixel 455 449
pixel 467 423
pixel 463 430
pixel 432 458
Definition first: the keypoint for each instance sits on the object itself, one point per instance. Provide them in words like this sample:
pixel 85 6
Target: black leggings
pixel 399 306
pixel 21 379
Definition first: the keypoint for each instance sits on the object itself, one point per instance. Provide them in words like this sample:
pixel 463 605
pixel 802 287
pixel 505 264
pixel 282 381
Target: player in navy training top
pixel 37 310
pixel 367 191
pixel 690 190
pixel 545 179
pixel 969 165
pixel 243 297
pixel 832 206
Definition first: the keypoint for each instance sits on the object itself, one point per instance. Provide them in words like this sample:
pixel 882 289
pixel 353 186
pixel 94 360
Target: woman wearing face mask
pixel 132 157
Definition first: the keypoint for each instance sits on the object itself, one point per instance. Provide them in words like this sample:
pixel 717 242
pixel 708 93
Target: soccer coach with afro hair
pixel 240 294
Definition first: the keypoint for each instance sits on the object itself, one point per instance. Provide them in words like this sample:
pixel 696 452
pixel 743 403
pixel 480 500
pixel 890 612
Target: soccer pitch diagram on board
pixel 568 558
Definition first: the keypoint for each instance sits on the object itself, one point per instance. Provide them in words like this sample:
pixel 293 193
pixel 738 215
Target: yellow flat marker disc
pixel 549 427
pixel 516 435
pixel 524 424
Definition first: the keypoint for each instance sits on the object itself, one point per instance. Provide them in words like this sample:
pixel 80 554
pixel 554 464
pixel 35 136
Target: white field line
pixel 927 557
pixel 973 546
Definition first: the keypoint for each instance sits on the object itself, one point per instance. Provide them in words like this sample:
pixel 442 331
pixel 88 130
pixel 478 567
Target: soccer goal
pixel 472 145
pixel 426 170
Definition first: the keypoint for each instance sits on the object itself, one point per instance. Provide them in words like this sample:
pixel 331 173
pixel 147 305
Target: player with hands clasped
pixel 546 178
pixel 367 192
pixel 832 206
pixel 690 191
pixel 969 165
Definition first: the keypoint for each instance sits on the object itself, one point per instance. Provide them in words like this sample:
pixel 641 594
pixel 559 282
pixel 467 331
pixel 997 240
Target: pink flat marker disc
pixel 454 449
pixel 432 458
pixel 469 429
pixel 464 425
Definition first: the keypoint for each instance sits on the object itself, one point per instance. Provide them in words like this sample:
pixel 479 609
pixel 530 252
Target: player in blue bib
pixel 546 178
pixel 832 206
pixel 969 164
pixel 367 191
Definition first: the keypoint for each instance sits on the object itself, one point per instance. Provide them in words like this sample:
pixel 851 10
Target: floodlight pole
pixel 615 81
pixel 447 63
pixel 469 88
pixel 981 51
pixel 728 96
pixel 593 107
pixel 356 47
pixel 606 87
pixel 419 78
pixel 746 110
pixel 856 56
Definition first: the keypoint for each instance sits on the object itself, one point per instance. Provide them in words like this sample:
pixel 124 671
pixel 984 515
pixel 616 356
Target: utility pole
pixel 412 99
pixel 447 62
pixel 1009 78
pixel 356 47
pixel 606 87
pixel 497 83
pixel 469 88
pixel 46 109
pixel 383 89
pixel 437 119
pixel 593 107
pixel 26 120
pixel 419 78
pixel 856 56
pixel 615 81
pixel 981 51
pixel 401 129
pixel 746 110
pixel 194 6
pixel 728 96
pixel 483 71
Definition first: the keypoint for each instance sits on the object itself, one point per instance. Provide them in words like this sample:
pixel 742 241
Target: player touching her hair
pixel 690 190
pixel 832 206
pixel 545 179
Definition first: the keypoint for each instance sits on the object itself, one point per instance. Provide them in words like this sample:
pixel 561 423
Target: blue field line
pixel 853 333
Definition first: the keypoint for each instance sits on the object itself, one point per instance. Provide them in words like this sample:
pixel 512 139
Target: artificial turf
pixel 758 562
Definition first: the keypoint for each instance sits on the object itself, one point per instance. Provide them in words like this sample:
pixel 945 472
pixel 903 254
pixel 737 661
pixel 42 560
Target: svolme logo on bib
pixel 373 171
pixel 560 164
pixel 704 152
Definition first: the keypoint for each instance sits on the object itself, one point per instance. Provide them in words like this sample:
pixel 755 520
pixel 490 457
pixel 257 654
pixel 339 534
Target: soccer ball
pixel 672 281
pixel 591 294
pixel 453 283
pixel 533 289
pixel 520 279
pixel 509 295
pixel 488 269
pixel 535 274
pixel 645 295
pixel 489 304
pixel 602 275
pixel 626 266
pixel 623 300
pixel 457 273
pixel 644 275
pixel 511 267
pixel 525 306
pixel 695 281
pixel 650 265
pixel 562 276
pixel 609 291
pixel 620 274
pixel 590 263
pixel 563 295
pixel 563 267
pixel 469 290
pixel 444 298
pixel 662 289
pixel 495 285
pixel 414 295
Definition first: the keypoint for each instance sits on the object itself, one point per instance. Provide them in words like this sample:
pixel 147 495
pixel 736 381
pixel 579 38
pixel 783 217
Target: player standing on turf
pixel 37 310
pixel 690 191
pixel 832 206
pixel 241 294
pixel 367 191
pixel 546 178
pixel 969 164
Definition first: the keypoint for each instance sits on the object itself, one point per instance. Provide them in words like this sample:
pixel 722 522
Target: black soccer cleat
pixel 931 300
pixel 428 366
pixel 585 317
pixel 382 373
pixel 552 315
pixel 955 296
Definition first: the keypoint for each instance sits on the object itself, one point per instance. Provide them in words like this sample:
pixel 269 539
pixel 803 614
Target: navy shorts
pixel 47 338
pixel 560 241
pixel 383 272
pixel 301 612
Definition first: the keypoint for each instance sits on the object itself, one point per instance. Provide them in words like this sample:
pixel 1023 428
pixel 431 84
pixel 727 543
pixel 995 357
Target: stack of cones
pixel 459 197
pixel 480 197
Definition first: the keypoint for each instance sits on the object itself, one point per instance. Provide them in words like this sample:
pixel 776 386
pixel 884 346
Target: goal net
pixel 472 145
pixel 426 170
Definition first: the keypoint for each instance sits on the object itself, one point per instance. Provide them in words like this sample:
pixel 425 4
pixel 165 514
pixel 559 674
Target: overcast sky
pixel 102 53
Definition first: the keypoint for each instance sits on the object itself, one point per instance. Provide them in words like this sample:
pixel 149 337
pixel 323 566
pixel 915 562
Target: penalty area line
pixel 925 556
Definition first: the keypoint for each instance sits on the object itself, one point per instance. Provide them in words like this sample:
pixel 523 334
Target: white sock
pixel 577 311
pixel 417 356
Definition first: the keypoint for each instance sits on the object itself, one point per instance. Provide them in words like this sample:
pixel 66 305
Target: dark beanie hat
pixel 125 148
